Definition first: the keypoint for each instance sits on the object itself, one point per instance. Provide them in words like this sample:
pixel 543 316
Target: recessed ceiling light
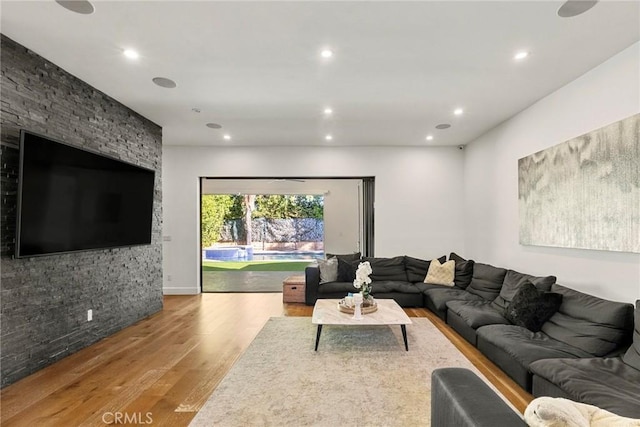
pixel 131 54
pixel 82 7
pixel 164 82
pixel 328 137
pixel 227 137
pixel 458 111
pixel 520 55
pixel 328 111
pixel 326 53
pixel 443 126
pixel 573 8
pixel 214 126
pixel 429 137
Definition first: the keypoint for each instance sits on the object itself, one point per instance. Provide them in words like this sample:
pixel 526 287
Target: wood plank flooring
pixel 163 368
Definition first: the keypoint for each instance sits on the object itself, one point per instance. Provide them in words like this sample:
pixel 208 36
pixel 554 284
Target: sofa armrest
pixel 312 282
pixel 459 398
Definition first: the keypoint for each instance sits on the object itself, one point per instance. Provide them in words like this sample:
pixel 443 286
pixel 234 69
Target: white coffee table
pixel 326 312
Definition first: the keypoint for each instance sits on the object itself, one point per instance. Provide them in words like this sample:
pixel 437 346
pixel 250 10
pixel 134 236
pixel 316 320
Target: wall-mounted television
pixel 71 199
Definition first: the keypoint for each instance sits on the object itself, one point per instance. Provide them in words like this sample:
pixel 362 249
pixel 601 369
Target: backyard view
pixel 250 243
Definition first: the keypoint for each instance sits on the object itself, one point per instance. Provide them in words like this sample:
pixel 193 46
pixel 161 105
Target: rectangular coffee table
pixel 326 312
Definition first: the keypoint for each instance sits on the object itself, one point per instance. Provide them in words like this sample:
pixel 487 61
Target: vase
pixel 357 310
pixel 367 300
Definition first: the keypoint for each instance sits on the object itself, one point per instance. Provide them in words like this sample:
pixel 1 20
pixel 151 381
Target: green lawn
pixel 255 265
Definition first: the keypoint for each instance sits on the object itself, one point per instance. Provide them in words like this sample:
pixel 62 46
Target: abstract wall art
pixel 585 192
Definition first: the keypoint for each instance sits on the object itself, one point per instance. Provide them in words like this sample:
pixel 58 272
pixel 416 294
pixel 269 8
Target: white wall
pixel 342 215
pixel 418 195
pixel 604 95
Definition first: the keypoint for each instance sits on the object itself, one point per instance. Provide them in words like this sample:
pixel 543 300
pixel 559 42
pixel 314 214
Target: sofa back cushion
pixel 387 268
pixel 592 324
pixel 417 268
pixel 464 270
pixel 512 282
pixel 486 281
pixel 632 356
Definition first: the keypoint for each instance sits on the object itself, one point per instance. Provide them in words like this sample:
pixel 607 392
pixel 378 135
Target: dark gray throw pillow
pixel 530 308
pixel 464 270
pixel 347 270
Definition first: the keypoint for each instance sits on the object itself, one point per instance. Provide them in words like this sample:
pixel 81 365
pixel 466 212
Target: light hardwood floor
pixel 163 368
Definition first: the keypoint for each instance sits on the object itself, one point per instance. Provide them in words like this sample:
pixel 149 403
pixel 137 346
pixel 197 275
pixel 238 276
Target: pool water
pixel 244 254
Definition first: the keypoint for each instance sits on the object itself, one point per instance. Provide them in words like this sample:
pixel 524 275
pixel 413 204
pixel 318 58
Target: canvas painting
pixel 585 192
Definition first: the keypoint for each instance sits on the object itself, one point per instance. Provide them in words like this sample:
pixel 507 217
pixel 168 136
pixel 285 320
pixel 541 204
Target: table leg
pixel 318 336
pixel 404 335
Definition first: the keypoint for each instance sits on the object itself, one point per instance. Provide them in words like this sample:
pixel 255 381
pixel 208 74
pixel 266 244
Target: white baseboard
pixel 180 291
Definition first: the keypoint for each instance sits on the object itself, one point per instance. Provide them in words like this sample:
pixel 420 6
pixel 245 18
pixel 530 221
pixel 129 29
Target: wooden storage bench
pixel 293 289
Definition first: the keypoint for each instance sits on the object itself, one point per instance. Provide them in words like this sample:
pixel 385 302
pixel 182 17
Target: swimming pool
pixel 247 253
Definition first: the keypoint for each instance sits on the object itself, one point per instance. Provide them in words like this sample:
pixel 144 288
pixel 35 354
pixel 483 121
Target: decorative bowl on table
pixel 369 305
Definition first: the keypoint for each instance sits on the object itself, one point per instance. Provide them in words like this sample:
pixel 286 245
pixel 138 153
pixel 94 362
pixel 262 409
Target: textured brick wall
pixel 44 300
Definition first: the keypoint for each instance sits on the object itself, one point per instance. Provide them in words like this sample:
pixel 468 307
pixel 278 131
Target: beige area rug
pixel 360 376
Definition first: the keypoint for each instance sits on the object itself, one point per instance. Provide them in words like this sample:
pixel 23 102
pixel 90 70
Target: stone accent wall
pixel 44 300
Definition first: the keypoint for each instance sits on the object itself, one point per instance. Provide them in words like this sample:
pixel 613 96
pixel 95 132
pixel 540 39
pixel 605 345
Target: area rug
pixel 360 376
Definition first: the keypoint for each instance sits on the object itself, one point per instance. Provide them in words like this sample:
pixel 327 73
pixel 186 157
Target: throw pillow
pixel 464 270
pixel 328 270
pixel 441 274
pixel 347 270
pixel 530 308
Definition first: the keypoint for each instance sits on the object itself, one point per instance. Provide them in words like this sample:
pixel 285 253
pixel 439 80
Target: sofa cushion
pixel 593 324
pixel 513 348
pixel 512 282
pixel 328 270
pixel 347 269
pixel 387 286
pixel 486 281
pixel 387 268
pixel 417 268
pixel 530 307
pixel 606 382
pixel 477 313
pixel 464 270
pixel 632 356
pixel 439 296
pixel 441 274
pixel 335 287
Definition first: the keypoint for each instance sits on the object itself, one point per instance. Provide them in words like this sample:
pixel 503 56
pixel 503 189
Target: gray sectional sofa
pixel 550 339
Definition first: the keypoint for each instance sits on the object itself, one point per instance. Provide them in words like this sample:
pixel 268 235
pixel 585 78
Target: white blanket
pixel 558 412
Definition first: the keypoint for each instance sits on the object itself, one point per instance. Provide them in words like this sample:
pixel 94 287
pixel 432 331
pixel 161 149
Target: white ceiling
pixel 399 68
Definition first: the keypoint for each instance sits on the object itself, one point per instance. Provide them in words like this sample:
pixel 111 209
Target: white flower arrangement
pixel 362 280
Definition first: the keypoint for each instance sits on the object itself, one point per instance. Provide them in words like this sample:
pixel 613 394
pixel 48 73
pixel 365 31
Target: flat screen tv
pixel 70 199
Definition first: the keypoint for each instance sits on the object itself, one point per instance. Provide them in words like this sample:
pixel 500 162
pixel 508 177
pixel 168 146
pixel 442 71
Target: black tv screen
pixel 71 199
